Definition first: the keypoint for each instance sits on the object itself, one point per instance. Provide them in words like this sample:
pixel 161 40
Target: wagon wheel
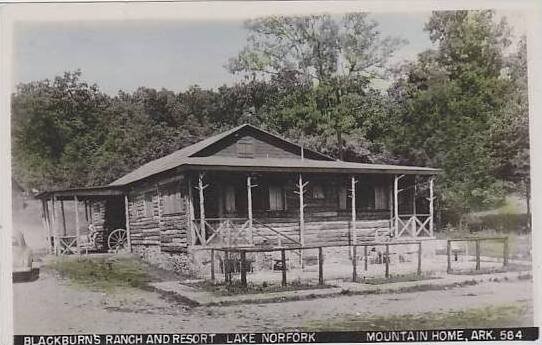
pixel 117 239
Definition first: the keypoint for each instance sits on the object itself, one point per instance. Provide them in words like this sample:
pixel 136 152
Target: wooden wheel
pixel 117 239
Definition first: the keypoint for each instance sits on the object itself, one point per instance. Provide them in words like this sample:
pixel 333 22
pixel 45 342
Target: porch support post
pixel 191 216
pixel 127 220
pixel 301 186
pixel 249 206
pixel 55 227
pixel 77 231
pixel 396 205
pixel 47 223
pixel 431 205
pixel 63 218
pixel 353 236
pixel 201 187
pixel 413 225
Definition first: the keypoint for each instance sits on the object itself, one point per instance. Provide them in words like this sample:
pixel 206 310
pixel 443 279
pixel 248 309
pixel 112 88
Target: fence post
pixel 212 264
pixel 354 264
pixel 283 260
pixel 320 266
pixel 365 256
pixel 243 269
pixel 505 252
pixel 477 255
pixel 387 260
pixel 419 272
pixel 449 256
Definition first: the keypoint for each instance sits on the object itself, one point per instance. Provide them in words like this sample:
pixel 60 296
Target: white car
pixel 24 266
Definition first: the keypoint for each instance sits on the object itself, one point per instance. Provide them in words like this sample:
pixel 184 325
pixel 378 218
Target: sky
pixel 172 54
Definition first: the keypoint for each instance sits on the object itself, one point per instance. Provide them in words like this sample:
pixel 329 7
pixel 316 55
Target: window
pixel 381 198
pixel 276 198
pixel 318 192
pixel 245 148
pixel 173 200
pixel 229 193
pixel 365 196
pixel 147 205
pixel 342 198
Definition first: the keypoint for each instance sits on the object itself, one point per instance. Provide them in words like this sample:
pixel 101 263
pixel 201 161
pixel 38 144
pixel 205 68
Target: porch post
pixel 396 205
pixel 249 205
pixel 63 218
pixel 127 220
pixel 190 204
pixel 301 186
pixel 86 210
pixel 431 207
pixel 77 231
pixel 55 227
pixel 353 236
pixel 202 207
pixel 413 228
pixel 45 204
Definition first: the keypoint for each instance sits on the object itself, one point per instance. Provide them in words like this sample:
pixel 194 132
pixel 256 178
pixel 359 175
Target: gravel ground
pixel 52 306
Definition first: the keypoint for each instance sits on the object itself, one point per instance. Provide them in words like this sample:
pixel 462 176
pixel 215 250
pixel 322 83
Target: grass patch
pixel 519 245
pixel 102 274
pixel 235 288
pixel 512 315
pixel 487 270
pixel 396 278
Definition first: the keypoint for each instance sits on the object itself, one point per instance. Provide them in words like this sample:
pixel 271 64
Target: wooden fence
pixel 244 265
pixel 477 241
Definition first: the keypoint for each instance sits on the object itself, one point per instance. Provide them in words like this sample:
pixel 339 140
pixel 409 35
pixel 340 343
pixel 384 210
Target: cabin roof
pixel 181 156
pixel 83 192
pixel 185 159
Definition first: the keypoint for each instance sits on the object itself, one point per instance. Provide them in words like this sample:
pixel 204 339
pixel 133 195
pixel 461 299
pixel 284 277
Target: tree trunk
pixel 340 144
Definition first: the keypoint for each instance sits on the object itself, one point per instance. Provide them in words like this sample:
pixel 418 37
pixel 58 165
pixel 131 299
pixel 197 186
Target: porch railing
pixel 229 231
pixel 236 232
pixel 414 225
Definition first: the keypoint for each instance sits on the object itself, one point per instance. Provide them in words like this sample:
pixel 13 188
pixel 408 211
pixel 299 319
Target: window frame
pixel 245 148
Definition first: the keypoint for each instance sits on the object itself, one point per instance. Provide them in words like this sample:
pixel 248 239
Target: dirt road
pixel 52 306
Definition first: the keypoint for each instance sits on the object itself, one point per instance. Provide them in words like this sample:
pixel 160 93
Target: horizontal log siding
pixel 144 229
pixel 97 211
pixel 328 232
pixel 168 232
pixel 174 226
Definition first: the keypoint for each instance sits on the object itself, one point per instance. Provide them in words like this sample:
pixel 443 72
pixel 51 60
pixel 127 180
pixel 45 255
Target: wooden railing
pixel 229 231
pixel 414 225
pixel 477 240
pixel 235 232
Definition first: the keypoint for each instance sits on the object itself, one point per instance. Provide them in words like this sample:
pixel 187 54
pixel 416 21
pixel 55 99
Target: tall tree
pixel 55 130
pixel 338 57
pixel 451 100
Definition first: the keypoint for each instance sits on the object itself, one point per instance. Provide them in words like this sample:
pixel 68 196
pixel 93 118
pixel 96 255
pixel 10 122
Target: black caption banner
pixel 482 334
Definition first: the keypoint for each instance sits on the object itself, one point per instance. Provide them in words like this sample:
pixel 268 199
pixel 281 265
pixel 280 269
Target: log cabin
pixel 247 187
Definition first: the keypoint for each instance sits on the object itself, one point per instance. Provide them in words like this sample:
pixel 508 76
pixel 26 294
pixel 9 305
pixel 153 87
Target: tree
pixel 55 130
pixel 451 102
pixel 338 58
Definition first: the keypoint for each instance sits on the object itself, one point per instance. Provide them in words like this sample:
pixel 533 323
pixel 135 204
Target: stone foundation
pixel 177 262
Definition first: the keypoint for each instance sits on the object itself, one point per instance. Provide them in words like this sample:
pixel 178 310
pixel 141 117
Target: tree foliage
pixel 461 107
pixel 454 109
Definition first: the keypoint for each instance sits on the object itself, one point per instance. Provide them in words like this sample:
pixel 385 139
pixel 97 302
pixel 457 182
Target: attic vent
pixel 245 148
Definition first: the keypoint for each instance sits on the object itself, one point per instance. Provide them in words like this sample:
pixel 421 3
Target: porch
pixel 239 209
pixel 83 220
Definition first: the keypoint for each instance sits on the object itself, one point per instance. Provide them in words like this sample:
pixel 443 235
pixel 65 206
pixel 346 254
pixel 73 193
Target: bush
pixel 502 223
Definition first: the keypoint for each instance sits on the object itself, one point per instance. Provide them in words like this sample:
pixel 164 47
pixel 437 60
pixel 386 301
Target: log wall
pixel 151 225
